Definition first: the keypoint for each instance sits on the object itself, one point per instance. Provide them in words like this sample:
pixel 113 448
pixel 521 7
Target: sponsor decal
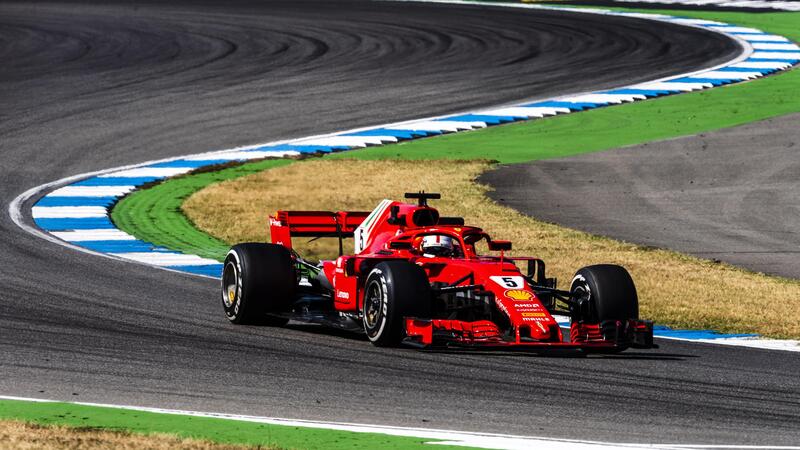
pixel 518 294
pixel 501 306
pixel 536 320
pixel 526 307
pixel 342 294
pixel 533 314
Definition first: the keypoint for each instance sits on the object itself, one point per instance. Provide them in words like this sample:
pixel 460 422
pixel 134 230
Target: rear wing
pixel 287 224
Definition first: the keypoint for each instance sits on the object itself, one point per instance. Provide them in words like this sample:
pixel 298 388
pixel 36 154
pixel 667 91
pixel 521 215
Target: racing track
pixel 85 87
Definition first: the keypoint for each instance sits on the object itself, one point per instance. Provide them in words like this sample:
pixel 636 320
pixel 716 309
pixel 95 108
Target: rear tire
pixel 394 290
pixel 258 279
pixel 609 292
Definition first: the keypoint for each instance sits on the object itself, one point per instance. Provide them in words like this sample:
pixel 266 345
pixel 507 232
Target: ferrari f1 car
pixel 420 279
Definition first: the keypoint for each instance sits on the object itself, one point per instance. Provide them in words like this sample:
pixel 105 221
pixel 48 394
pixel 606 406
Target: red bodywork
pixel 393 231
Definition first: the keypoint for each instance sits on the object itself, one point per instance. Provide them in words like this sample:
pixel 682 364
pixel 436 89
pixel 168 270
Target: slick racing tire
pixel 608 293
pixel 258 279
pixel 394 290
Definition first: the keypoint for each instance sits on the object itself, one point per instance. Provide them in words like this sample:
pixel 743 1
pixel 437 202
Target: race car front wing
pixel 609 335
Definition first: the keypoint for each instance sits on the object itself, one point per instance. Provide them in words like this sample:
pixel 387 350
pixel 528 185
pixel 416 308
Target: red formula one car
pixel 420 279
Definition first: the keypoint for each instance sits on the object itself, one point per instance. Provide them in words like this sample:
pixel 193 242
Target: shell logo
pixel 519 294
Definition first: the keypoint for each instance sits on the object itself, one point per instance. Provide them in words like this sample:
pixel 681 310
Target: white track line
pixel 104 234
pixel 166 258
pixel 160 172
pixel 68 212
pixel 92 191
pixel 228 155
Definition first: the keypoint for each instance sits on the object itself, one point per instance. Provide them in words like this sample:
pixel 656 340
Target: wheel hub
pixel 230 282
pixel 372 306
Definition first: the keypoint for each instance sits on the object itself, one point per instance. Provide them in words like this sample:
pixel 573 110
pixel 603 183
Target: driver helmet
pixel 437 245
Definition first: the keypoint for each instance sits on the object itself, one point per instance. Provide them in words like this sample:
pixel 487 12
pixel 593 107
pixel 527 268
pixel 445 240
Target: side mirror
pixel 499 246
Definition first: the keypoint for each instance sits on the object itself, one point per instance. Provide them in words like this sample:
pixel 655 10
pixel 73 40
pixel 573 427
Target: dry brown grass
pixel 674 289
pixel 21 436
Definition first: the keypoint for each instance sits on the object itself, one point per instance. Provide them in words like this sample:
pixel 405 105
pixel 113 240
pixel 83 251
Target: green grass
pixel 211 429
pixel 628 124
pixel 154 214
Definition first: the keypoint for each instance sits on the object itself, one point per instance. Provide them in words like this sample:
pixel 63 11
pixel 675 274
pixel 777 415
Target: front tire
pixel 393 291
pixel 258 279
pixel 607 292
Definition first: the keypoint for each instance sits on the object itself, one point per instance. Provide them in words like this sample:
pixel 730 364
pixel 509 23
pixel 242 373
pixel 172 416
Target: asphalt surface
pixel 88 86
pixel 729 195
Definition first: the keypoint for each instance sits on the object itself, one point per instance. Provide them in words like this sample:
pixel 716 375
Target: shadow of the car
pixel 328 331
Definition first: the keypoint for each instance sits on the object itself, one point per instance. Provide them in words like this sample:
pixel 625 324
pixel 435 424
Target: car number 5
pixel 509 282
